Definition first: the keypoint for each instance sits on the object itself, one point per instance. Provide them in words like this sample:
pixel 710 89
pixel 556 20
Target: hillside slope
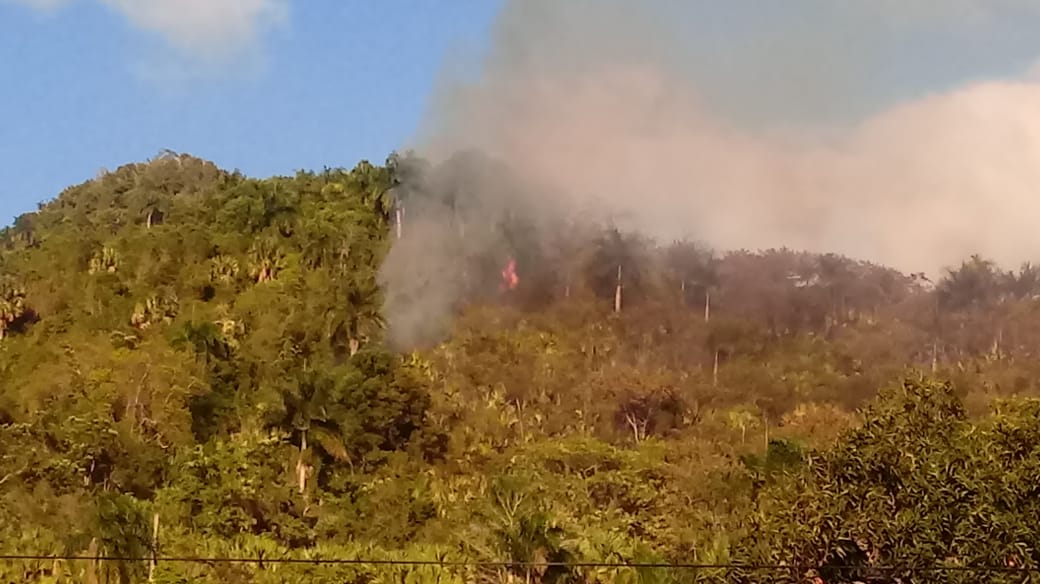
pixel 191 346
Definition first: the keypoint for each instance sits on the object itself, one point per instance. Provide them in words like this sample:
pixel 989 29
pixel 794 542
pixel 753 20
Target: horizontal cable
pixel 514 564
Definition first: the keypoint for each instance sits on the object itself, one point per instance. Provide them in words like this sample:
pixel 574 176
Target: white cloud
pixel 204 28
pixel 39 4
pixel 197 29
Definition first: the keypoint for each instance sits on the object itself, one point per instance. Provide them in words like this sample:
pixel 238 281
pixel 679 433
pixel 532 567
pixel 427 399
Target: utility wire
pixel 514 564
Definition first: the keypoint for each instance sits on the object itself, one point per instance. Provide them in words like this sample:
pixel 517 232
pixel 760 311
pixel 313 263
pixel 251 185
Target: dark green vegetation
pixel 193 347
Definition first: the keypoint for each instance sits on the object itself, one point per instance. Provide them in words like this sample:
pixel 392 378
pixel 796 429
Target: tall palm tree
pixel 976 283
pixel 407 176
pixel 307 413
pixel 617 266
pixel 206 340
pixel 373 184
pixel 1026 283
pixel 706 277
pixel 696 269
pixel 149 201
pixel 362 317
pixel 328 239
pixel 835 279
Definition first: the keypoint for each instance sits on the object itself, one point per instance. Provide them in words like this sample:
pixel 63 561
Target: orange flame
pixel 509 278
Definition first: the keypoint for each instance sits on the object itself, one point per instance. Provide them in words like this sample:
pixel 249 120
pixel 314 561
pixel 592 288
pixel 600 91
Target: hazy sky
pixel 269 86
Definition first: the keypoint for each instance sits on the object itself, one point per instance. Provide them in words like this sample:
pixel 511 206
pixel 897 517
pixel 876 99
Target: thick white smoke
pixel 610 103
pixel 917 187
pixel 854 127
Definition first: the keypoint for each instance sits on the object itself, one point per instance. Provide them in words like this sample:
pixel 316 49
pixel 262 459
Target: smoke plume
pixel 832 127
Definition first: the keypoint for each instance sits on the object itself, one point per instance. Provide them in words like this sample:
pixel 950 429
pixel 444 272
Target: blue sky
pixel 83 87
pixel 271 86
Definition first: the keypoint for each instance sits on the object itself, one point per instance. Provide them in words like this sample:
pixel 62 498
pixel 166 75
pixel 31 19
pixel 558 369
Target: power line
pixel 730 567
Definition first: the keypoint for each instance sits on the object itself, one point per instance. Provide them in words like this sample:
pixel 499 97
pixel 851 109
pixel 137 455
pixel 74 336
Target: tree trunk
pixel 301 467
pixel 707 304
pixel 399 216
pixel 638 427
pixel 518 405
pixel 715 370
pixel 617 291
pixel 155 548
pixel 92 568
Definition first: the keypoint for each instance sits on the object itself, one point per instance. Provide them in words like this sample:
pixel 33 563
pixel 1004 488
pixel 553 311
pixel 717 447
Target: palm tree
pixel 161 307
pixel 363 318
pixel 706 278
pixel 150 205
pixel 309 410
pixel 696 268
pixel 1025 284
pixel 373 184
pixel 407 174
pixel 266 260
pixel 280 208
pixel 565 253
pixel 12 304
pixel 836 278
pixel 617 264
pixel 977 286
pixel 223 269
pixel 327 239
pixel 976 283
pixel 728 338
pixel 230 328
pixel 104 260
pixel 206 340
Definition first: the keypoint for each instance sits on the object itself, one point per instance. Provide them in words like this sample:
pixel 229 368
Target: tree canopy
pixel 212 355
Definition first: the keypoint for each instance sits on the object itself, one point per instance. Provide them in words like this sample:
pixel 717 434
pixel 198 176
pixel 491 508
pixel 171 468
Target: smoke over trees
pixel 591 114
pixel 226 369
pixel 751 126
pixel 464 219
pixel 596 319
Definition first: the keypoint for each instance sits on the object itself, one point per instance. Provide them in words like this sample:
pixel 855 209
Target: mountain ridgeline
pixel 410 362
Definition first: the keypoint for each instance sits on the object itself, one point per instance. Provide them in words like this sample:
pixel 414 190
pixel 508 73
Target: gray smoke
pixel 458 228
pixel 812 124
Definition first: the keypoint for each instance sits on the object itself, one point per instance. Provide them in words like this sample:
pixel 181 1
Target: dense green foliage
pixel 203 350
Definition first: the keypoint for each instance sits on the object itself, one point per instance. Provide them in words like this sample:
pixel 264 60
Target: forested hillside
pixel 193 349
